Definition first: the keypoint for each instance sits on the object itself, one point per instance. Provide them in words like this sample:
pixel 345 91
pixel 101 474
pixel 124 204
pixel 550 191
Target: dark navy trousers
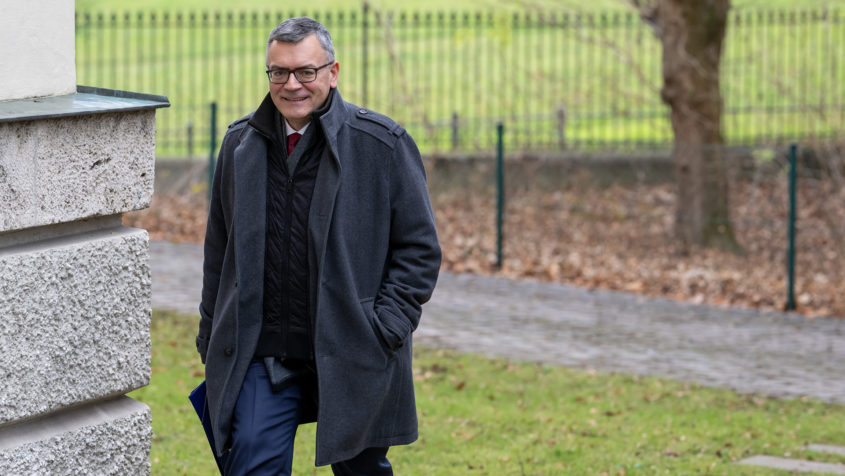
pixel 264 426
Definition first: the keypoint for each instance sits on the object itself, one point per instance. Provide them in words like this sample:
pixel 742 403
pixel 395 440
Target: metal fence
pixel 557 80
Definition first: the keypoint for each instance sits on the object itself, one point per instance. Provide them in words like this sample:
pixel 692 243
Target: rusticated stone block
pixel 74 320
pixel 63 169
pixel 105 438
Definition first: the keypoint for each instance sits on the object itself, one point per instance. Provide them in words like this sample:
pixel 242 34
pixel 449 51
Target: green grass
pixel 779 77
pixel 595 5
pixel 482 416
pixel 433 5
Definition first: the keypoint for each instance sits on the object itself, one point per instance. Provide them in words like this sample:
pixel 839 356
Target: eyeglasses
pixel 303 75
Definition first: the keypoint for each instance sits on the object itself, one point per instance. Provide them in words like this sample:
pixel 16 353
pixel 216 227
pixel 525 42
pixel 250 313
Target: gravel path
pixel 778 354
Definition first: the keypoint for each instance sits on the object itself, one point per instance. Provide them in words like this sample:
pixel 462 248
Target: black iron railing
pixel 556 80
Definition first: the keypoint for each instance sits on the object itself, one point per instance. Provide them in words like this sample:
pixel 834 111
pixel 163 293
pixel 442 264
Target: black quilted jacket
pixel 287 330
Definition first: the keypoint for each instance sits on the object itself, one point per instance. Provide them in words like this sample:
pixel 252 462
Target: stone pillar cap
pixel 86 100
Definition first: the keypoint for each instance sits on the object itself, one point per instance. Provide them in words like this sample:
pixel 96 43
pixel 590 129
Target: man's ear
pixel 334 73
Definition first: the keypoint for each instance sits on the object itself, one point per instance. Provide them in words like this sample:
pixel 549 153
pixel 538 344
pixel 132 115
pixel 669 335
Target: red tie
pixel 292 140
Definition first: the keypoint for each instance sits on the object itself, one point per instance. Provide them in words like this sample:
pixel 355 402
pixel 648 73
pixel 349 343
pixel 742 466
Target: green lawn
pixel 482 416
pixel 779 73
pixel 594 5
pixel 344 4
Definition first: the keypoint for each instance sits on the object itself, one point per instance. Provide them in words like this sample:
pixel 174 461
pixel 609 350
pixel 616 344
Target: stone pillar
pixel 75 302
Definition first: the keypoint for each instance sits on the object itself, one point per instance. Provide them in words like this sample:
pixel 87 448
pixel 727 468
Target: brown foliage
pixel 177 218
pixel 619 238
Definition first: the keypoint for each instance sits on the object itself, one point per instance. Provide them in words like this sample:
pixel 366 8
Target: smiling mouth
pixel 295 99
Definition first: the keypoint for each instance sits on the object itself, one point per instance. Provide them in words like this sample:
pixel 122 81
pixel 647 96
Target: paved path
pixel 771 353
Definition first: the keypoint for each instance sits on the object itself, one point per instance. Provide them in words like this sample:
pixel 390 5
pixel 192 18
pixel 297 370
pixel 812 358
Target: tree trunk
pixel 692 33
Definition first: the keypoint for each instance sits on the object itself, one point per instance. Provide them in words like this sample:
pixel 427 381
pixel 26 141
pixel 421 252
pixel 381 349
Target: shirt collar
pixel 290 130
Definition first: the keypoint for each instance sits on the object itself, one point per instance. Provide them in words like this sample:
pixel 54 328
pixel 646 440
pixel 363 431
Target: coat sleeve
pixel 214 249
pixel 413 261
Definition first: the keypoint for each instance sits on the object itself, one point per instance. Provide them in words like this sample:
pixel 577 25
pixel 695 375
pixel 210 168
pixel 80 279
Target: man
pixel 320 250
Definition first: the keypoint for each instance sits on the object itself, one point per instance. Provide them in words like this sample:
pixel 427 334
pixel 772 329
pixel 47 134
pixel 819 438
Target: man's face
pixel 296 101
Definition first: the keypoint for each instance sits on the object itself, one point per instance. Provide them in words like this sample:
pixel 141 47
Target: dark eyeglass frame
pixel 296 73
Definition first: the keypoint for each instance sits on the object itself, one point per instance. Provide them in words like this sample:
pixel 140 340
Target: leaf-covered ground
pixel 620 237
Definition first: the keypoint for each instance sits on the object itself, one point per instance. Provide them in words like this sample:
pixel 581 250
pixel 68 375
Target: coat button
pixel 228 351
pixel 362 111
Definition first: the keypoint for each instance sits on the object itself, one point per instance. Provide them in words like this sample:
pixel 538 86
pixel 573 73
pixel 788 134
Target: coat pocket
pixel 383 335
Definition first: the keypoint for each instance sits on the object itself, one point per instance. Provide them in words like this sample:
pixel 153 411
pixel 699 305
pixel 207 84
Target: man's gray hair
pixel 294 30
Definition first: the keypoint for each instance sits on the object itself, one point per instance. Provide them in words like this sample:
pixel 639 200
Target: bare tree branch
pixel 648 12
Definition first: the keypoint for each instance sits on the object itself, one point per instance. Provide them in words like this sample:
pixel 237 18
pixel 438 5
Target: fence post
pixel 364 66
pixel 500 190
pixel 455 130
pixel 190 140
pixel 790 254
pixel 212 146
pixel 561 126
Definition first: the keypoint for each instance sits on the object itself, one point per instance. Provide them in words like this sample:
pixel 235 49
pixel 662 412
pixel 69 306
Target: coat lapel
pixel 326 186
pixel 250 215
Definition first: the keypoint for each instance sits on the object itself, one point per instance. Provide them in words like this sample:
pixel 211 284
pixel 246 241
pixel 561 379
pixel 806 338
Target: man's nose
pixel 292 82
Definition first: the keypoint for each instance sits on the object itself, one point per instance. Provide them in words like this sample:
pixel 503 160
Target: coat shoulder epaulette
pixel 240 122
pixel 378 125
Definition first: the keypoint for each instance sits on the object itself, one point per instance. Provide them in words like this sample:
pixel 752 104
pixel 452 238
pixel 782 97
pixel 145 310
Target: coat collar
pixel 331 117
pixel 265 120
pixel 332 121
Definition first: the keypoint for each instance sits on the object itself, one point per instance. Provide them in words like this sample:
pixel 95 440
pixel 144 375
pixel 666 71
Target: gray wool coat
pixel 373 258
